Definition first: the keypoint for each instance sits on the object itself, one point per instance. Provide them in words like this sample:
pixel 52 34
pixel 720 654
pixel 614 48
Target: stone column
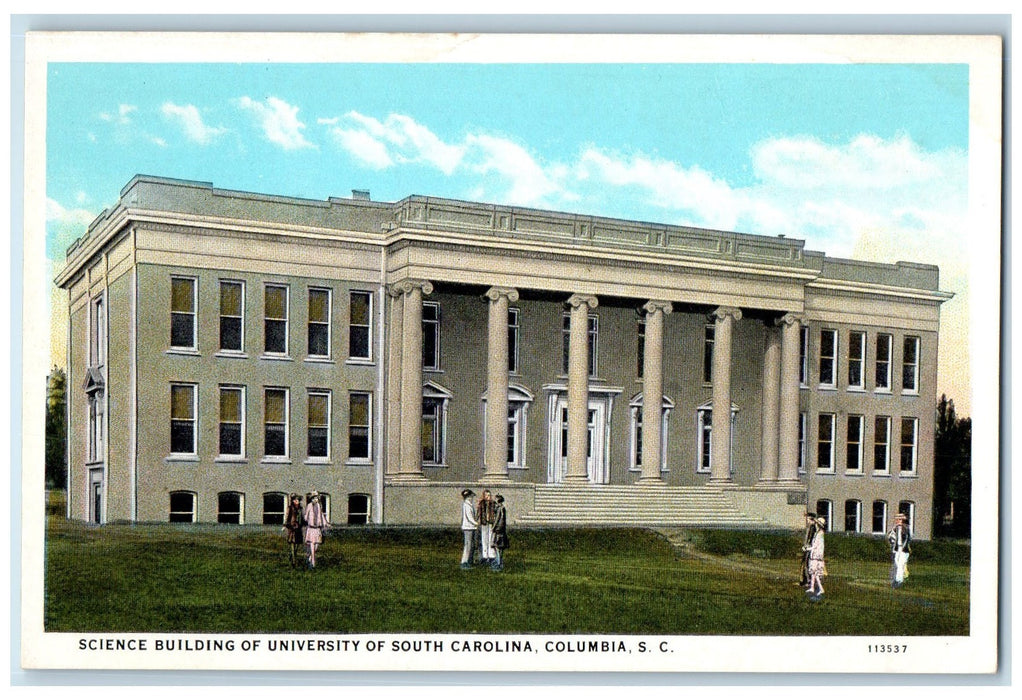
pixel 578 387
pixel 720 456
pixel 495 453
pixel 771 402
pixel 411 378
pixel 395 337
pixel 791 326
pixel 653 391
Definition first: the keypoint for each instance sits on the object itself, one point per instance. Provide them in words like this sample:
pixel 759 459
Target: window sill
pixel 92 464
pixel 517 468
pixel 235 354
pixel 826 387
pixel 910 393
pixel 190 352
pixel 432 370
pixel 434 464
pixel 182 458
pixel 277 358
pixel 825 472
pixel 857 389
pixel 358 463
pixel 908 475
pixel 882 475
pixel 318 462
pixel 884 392
pixel 317 360
pixel 361 361
pixel 230 459
pixel 275 460
pixel 857 473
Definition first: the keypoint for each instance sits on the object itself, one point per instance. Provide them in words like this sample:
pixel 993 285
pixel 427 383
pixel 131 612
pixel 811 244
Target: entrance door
pixel 96 495
pixel 596 437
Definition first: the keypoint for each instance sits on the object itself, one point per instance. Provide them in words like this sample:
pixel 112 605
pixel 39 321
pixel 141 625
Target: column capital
pixel 723 312
pixel 404 286
pixel 577 300
pixel 790 318
pixel 495 293
pixel 654 305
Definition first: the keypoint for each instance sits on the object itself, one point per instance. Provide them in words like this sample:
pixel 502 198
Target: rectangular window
pixel 513 338
pixel 856 356
pixel 801 443
pixel 909 432
pixel 232 316
pixel 182 419
pixel 274 505
pixel 275 422
pixel 825 443
pixel 96 426
pixel 516 435
pixel 182 507
pixel 908 509
pixel 182 312
pixel 97 344
pixel 853 515
pixel 704 422
pixel 910 366
pixel 430 335
pixel 708 335
pixel 882 445
pixel 640 350
pixel 319 322
pixel 883 362
pixel 360 326
pixel 879 517
pixel 803 356
pixel 275 319
pixel 825 510
pixel 594 331
pixel 232 421
pixel 432 431
pixel 853 462
pixel 359 435
pixel 828 358
pixel 319 424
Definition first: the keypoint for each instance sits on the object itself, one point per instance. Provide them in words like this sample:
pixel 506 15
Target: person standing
pixel 900 540
pixel 315 523
pixel 807 543
pixel 500 541
pixel 293 525
pixel 817 569
pixel 469 527
pixel 486 515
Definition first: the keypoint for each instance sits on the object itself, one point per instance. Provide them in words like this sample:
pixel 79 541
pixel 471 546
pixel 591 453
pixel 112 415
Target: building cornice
pixel 874 290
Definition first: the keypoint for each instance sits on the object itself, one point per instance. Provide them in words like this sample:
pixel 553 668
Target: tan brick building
pixel 226 348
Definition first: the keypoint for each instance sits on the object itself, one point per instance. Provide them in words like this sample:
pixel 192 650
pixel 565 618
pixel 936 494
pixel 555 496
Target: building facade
pixel 227 348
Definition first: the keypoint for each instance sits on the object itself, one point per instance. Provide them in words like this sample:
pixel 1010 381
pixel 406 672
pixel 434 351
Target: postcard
pixel 343 344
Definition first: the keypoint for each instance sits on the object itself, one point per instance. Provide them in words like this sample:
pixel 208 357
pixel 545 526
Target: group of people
pixel 814 567
pixel 305 525
pixel 484 526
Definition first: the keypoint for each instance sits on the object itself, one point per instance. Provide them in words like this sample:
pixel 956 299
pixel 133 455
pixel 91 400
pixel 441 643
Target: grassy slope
pixel 221 579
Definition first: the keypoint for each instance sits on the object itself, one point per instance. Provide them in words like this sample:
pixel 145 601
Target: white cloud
pixel 529 182
pixel 404 139
pixel 365 147
pixel 121 116
pixel 189 119
pixel 279 122
pixel 56 213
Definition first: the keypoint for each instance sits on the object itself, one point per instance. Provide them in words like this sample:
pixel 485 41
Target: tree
pixel 952 471
pixel 56 429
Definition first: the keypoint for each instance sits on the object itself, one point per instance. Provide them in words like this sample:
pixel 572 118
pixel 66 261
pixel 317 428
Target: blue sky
pixel 866 161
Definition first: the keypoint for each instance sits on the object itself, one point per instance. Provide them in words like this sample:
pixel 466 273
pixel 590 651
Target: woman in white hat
pixel 817 570
pixel 315 523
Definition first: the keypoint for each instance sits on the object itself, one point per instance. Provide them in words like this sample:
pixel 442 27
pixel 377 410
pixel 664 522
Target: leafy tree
pixel 952 471
pixel 56 429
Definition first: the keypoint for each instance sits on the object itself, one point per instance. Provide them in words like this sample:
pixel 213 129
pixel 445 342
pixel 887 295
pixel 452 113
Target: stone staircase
pixel 644 506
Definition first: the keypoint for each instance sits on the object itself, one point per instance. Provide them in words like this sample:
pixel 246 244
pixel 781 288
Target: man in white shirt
pixel 469 527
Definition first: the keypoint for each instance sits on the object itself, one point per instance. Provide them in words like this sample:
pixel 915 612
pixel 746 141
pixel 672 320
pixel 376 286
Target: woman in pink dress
pixel 315 523
pixel 817 570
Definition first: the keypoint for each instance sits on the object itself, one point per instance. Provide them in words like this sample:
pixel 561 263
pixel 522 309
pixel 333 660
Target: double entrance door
pixel 597 447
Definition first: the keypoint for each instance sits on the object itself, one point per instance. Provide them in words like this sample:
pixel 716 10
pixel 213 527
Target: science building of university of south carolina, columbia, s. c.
pixel 227 348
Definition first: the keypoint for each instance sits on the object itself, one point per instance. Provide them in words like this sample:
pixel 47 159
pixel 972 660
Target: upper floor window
pixel 856 357
pixel 513 339
pixel 182 312
pixel 640 350
pixel 275 319
pixel 359 426
pixel 803 356
pixel 319 322
pixel 319 424
pixel 883 362
pixel 360 327
pixel 593 342
pixel 909 444
pixel 275 422
pixel 825 443
pixel 232 421
pixel 430 335
pixel 183 412
pixel 853 461
pixel 232 316
pixel 910 365
pixel 882 444
pixel 708 335
pixel 97 343
pixel 97 422
pixel 802 443
pixel 828 358
pixel 704 444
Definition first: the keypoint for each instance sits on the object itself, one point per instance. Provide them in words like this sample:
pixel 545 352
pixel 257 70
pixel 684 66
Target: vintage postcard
pixel 343 344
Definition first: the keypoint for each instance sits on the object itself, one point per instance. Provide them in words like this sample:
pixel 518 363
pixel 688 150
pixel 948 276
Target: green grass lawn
pixel 226 579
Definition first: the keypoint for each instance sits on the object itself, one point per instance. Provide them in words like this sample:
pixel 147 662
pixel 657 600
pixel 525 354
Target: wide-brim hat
pixel 313 494
pixel 467 492
pixel 901 516
pixel 821 521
